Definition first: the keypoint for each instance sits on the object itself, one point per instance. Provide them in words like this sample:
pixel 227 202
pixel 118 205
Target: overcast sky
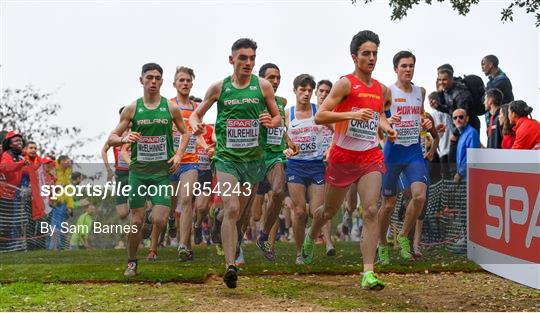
pixel 91 53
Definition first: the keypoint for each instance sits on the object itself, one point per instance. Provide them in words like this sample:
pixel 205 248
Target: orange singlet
pixel 190 155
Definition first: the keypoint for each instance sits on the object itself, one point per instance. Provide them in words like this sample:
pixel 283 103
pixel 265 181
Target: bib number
pixel 275 135
pixel 364 130
pixel 152 148
pixel 242 133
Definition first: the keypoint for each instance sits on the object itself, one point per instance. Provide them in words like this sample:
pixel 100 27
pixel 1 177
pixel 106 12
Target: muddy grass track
pixel 404 292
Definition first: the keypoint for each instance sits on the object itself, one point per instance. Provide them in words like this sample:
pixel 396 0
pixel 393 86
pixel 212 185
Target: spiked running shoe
pixel 405 246
pixel 384 254
pixel 184 254
pixel 307 250
pixel 369 281
pixel 266 249
pixel 231 276
pixel 131 269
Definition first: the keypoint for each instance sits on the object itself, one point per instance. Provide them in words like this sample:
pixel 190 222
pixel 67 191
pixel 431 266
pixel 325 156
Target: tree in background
pixel 400 7
pixel 31 111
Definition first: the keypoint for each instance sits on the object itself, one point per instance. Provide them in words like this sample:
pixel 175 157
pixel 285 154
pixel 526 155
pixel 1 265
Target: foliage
pixel 400 7
pixel 32 112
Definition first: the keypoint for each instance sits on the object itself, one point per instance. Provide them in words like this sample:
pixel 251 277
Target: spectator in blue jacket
pixel 468 138
pixel 496 79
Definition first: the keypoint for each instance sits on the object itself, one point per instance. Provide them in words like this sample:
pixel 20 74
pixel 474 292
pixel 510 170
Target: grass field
pixel 108 265
pixel 92 280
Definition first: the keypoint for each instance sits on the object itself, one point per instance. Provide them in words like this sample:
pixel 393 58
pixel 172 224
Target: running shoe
pixel 384 254
pixel 231 276
pixel 184 254
pixel 172 227
pixel 152 255
pixel 307 250
pixel 330 250
pixel 369 281
pixel 405 245
pixel 299 260
pixel 239 261
pixel 266 249
pixel 197 235
pixel 131 269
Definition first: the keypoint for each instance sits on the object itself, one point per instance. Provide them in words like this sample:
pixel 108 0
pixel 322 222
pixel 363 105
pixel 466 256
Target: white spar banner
pixel 503 213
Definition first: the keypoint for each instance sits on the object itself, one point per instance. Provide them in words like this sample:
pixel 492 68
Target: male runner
pixel 355 105
pixel 322 91
pixel 404 155
pixel 242 100
pixel 152 155
pixel 120 174
pixel 188 172
pixel 275 141
pixel 305 171
pixel 202 202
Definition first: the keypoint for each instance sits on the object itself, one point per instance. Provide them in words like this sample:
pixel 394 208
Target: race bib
pixel 192 143
pixel 408 132
pixel 242 133
pixel 275 135
pixel 306 140
pixel 152 148
pixel 327 138
pixel 364 130
pixel 204 160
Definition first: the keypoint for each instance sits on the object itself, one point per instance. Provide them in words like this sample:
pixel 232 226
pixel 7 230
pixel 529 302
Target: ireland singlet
pixel 237 123
pixel 150 154
pixel 273 137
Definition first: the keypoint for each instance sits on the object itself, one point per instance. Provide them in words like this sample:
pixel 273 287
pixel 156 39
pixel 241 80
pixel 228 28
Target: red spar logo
pixel 504 212
pixel 510 214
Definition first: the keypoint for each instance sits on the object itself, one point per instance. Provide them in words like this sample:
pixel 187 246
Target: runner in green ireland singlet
pixel 275 141
pixel 242 99
pixel 152 155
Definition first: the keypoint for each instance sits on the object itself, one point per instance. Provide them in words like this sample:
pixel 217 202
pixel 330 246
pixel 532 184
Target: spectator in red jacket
pixel 508 133
pixel 527 129
pixel 30 153
pixel 11 163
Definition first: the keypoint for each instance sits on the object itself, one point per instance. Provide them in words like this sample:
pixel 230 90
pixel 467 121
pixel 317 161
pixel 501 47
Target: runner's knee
pixel 300 213
pixel 419 198
pixel 232 212
pixel 370 213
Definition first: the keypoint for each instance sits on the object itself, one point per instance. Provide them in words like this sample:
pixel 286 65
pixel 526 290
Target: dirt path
pixel 410 292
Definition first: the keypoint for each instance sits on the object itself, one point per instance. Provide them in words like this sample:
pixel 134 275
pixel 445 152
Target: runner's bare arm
pixel 338 93
pixel 384 123
pixel 274 120
pixel 387 103
pixel 201 142
pixel 116 138
pixel 211 96
pixel 435 135
pixel 105 158
pixel 124 154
